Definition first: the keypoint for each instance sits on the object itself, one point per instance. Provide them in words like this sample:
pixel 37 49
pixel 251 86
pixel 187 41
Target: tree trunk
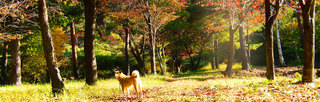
pixel 4 62
pixel 248 49
pixel 143 54
pixel 296 53
pixel 127 41
pixel 138 55
pixel 56 80
pixel 152 47
pixel 308 14
pixel 213 63
pixel 300 27
pixel 164 60
pixel 160 62
pixel 74 52
pixel 231 50
pixel 147 18
pixel 269 37
pixel 16 62
pixel 198 60
pixel 216 53
pixel 243 49
pixel 191 59
pixel 282 62
pixel 153 53
pixel 89 55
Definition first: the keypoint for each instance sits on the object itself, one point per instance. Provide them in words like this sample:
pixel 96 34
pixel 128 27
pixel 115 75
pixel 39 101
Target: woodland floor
pixel 203 85
pixel 211 85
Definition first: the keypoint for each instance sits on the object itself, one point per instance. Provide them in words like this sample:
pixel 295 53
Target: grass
pixel 203 85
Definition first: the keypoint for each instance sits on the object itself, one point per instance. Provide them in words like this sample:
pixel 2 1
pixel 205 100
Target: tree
pixel 74 52
pixel 308 16
pixel 237 13
pixel 156 14
pixel 271 16
pixel 16 22
pixel 56 80
pixel 90 58
pixel 282 63
pixel 16 62
pixel 243 49
pixel 232 31
pixel 4 61
pixel 69 13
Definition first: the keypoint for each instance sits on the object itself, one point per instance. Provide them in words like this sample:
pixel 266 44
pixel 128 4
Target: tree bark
pixel 308 14
pixel 147 18
pixel 127 41
pixel 213 60
pixel 248 49
pixel 270 18
pixel 90 58
pixel 300 27
pixel 282 62
pixel 153 53
pixel 16 62
pixel 232 31
pixel 161 57
pixel 216 53
pixel 243 49
pixel 74 52
pixel 160 63
pixel 164 60
pixel 56 80
pixel 4 62
pixel 138 55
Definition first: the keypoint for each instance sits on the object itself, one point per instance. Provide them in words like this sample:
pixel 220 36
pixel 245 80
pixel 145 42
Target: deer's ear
pixel 120 71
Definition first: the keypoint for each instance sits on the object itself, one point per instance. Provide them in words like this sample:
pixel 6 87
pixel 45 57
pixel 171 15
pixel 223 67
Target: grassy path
pixel 204 85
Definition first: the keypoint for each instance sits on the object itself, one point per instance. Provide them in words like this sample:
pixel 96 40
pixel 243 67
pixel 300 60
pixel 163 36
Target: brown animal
pixel 127 82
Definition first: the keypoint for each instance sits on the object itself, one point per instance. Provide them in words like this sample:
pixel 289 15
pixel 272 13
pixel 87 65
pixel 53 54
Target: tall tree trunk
pixel 152 46
pixel 300 27
pixel 213 63
pixel 216 53
pixel 232 31
pixel 152 33
pixel 4 62
pixel 308 14
pixel 89 55
pixel 282 62
pixel 270 18
pixel 243 49
pixel 153 53
pixel 164 59
pixel 74 52
pixel 248 42
pixel 127 41
pixel 56 80
pixel 143 54
pixel 16 62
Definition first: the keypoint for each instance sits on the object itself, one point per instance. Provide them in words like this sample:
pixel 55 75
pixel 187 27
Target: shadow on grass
pixel 199 75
